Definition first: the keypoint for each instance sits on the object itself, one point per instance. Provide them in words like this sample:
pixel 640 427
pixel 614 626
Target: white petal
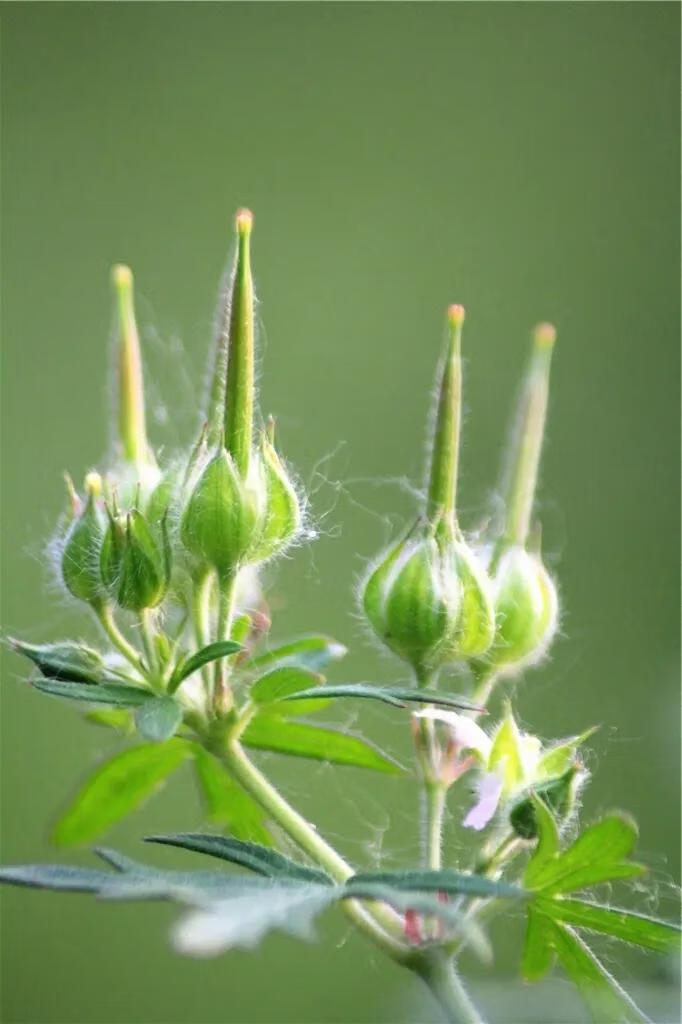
pixel 465 732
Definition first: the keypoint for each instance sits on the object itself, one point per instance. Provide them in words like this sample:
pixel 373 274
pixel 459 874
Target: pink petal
pixel 489 788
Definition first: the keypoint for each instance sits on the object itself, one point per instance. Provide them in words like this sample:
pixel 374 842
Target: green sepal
pixel 81 552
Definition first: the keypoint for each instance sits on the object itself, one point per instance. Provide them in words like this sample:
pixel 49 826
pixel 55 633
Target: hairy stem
pixel 380 924
pixel 438 972
pixel 201 608
pixel 106 621
pixel 226 594
pixel 435 807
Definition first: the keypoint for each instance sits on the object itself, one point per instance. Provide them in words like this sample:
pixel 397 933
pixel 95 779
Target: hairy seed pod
pixel 281 515
pixel 526 609
pixel 135 563
pixel 220 522
pixel 81 549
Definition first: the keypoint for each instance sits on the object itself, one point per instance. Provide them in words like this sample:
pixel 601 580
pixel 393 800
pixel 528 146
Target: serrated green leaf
pixel 396 696
pixel 281 683
pixel 158 719
pixel 547 849
pixel 111 694
pixel 558 758
pixel 313 652
pixel 65 661
pixel 597 855
pixel 227 804
pixel 538 952
pixel 301 739
pixel 423 880
pixel 116 788
pixel 605 999
pixel 261 859
pixel 212 652
pixel 637 929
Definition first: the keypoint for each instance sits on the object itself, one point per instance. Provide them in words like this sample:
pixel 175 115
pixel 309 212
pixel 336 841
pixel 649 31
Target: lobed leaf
pixel 597 855
pixel 261 859
pixel 547 849
pixel 301 739
pixel 538 952
pixel 116 788
pixel 158 719
pixel 396 696
pixel 212 652
pixel 227 803
pixel 638 929
pixel 605 999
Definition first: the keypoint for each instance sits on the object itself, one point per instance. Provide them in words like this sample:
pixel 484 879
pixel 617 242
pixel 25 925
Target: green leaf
pixel 227 803
pixel 212 652
pixel 313 652
pixel 538 952
pixel 261 859
pixel 423 880
pixel 301 739
pixel 557 759
pixel 281 683
pixel 547 849
pixel 638 929
pixel 597 855
pixel 63 877
pixel 66 661
pixel 116 788
pixel 159 718
pixel 396 696
pixel 118 719
pixel 111 694
pixel 605 999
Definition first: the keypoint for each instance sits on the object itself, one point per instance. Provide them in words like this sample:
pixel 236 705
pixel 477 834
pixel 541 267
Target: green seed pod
pixel 135 565
pixel 409 601
pixel 281 516
pixel 526 608
pixel 81 549
pixel 220 522
pixel 559 795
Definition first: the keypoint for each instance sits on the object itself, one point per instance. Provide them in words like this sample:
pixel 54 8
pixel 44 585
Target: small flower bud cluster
pixel 226 504
pixel 432 598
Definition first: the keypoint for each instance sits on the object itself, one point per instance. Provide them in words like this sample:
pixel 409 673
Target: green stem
pixel 438 972
pixel 201 610
pixel 435 807
pixel 106 621
pixel 380 924
pixel 486 678
pixel 147 632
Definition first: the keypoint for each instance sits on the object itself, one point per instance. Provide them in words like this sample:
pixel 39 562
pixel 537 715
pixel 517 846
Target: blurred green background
pixel 522 159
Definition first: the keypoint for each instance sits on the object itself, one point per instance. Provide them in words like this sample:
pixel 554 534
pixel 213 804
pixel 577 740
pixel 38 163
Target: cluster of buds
pixel 432 598
pixel 137 536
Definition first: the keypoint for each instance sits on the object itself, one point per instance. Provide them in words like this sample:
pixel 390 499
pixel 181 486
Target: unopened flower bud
pixel 81 549
pixel 220 522
pixel 135 563
pixel 281 515
pixel 559 795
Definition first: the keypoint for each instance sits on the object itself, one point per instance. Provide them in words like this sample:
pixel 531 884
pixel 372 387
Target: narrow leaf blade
pixel 116 788
pixel 65 661
pixel 637 929
pixel 109 694
pixel 313 652
pixel 212 652
pixel 301 739
pixel 396 696
pixel 538 952
pixel 422 880
pixel 284 682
